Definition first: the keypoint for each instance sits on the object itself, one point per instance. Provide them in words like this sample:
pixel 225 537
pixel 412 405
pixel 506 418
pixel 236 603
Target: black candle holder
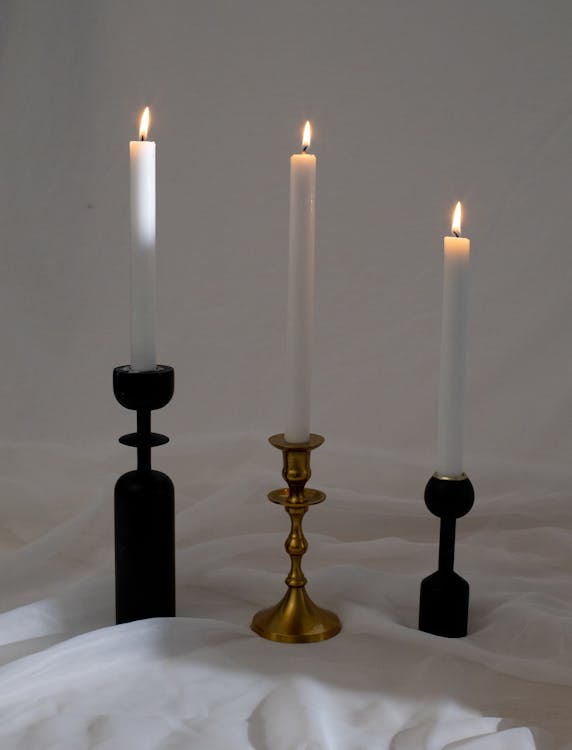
pixel 144 504
pixel 444 599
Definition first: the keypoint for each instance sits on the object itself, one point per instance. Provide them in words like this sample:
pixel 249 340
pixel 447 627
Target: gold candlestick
pixel 296 619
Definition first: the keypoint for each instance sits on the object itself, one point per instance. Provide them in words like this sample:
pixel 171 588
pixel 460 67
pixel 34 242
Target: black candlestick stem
pixel 144 505
pixel 444 599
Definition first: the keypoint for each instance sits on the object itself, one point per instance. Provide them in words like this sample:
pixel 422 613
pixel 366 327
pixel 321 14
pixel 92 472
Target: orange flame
pixel 307 137
pixel 456 224
pixel 144 126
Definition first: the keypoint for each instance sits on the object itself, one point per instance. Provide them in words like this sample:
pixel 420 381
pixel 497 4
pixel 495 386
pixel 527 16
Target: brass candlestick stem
pixel 296 619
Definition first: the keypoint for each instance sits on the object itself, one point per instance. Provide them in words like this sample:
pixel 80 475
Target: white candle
pixel 453 346
pixel 142 172
pixel 301 290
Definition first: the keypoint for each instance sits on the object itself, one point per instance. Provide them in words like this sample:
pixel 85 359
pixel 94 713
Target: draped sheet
pixel 72 679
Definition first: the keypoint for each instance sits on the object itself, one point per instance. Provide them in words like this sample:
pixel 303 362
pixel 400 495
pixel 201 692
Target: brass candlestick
pixel 296 619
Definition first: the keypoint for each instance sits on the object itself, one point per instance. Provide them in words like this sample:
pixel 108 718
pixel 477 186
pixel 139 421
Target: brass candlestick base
pixel 296 619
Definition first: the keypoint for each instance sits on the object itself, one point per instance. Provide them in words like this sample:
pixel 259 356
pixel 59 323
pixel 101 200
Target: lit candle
pixel 453 346
pixel 142 171
pixel 301 290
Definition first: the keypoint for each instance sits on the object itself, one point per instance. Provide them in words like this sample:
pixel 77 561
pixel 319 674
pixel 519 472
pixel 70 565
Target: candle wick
pixel 142 137
pixel 304 149
pixel 456 234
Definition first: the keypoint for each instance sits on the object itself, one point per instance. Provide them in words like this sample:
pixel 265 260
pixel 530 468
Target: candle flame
pixel 456 225
pixel 307 137
pixel 144 126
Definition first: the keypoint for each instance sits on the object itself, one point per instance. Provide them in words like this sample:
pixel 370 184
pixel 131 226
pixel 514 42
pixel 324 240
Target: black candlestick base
pixel 444 599
pixel 144 505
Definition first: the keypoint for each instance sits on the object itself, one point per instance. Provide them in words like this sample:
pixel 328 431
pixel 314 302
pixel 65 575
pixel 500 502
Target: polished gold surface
pixel 452 478
pixel 296 619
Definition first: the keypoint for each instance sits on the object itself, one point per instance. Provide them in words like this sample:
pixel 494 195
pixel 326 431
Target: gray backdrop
pixel 414 105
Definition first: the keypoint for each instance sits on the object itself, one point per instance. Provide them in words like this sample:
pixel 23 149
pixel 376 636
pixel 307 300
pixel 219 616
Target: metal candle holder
pixel 296 619
pixel 444 599
pixel 144 505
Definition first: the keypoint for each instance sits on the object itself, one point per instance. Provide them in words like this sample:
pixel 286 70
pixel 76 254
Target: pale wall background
pixel 414 104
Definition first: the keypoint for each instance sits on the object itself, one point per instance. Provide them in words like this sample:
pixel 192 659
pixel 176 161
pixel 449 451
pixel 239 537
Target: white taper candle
pixel 142 172
pixel 453 348
pixel 301 290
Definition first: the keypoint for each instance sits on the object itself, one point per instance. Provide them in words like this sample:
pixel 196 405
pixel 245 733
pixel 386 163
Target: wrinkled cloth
pixel 72 679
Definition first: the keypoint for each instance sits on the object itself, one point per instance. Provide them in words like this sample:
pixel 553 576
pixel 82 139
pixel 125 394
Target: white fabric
pixel 70 679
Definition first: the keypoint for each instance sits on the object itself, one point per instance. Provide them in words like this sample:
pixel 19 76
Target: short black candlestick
pixel 444 600
pixel 144 505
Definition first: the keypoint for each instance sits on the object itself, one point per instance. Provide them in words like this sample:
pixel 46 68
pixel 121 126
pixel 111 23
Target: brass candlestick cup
pixel 296 619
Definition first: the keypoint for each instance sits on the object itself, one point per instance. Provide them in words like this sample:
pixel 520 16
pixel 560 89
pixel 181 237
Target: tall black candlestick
pixel 144 505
